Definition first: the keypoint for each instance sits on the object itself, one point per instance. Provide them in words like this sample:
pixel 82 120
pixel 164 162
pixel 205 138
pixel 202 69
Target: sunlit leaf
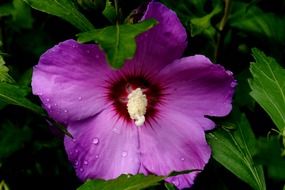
pixel 233 146
pixel 117 41
pixel 64 9
pixel 124 182
pixel 15 95
pixel 12 138
pixel 4 75
pixel 268 86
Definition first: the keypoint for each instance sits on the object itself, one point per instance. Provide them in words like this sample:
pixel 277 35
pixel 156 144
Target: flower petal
pixel 183 181
pixel 103 147
pixel 70 76
pixel 197 87
pixel 160 45
pixel 173 142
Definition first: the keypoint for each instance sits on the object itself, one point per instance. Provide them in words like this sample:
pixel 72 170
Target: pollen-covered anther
pixel 137 103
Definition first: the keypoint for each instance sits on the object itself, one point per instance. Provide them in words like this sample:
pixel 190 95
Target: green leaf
pixel 124 182
pixel 3 185
pixel 117 41
pixel 22 17
pixel 110 12
pixel 269 154
pixel 4 76
pixel 233 146
pixel 6 9
pixel 169 186
pixel 15 95
pixel 250 18
pixel 200 24
pixel 64 9
pixel 268 86
pixel 242 96
pixel 12 138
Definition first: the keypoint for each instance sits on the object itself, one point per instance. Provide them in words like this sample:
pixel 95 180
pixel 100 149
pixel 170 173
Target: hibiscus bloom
pixel 147 117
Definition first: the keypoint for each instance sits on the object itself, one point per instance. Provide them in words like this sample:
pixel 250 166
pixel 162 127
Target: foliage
pixel 233 146
pixel 117 41
pixel 246 37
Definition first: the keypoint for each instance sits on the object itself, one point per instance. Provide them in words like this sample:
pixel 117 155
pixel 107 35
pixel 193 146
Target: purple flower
pixel 148 117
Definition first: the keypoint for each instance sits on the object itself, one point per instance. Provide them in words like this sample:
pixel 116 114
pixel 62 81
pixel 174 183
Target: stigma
pixel 137 104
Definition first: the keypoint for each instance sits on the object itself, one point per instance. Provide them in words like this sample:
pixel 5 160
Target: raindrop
pixel 47 99
pixel 76 150
pixel 96 156
pixel 182 158
pixel 85 162
pixel 124 154
pixel 95 141
pixel 65 111
pixel 55 104
pixel 49 106
pixel 79 98
pixel 81 169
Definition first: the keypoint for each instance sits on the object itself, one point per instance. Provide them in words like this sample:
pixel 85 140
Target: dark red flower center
pixel 120 89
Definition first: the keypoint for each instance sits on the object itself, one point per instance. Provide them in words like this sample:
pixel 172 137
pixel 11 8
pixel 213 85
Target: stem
pixel 117 9
pixel 222 25
pixel 226 14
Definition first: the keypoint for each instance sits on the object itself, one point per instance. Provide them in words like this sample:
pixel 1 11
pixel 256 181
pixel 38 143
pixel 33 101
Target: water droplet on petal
pixel 76 150
pixel 76 163
pixel 47 99
pixel 96 156
pixel 81 169
pixel 65 111
pixel 74 140
pixel 182 158
pixel 85 162
pixel 124 153
pixel 49 106
pixel 79 98
pixel 95 141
